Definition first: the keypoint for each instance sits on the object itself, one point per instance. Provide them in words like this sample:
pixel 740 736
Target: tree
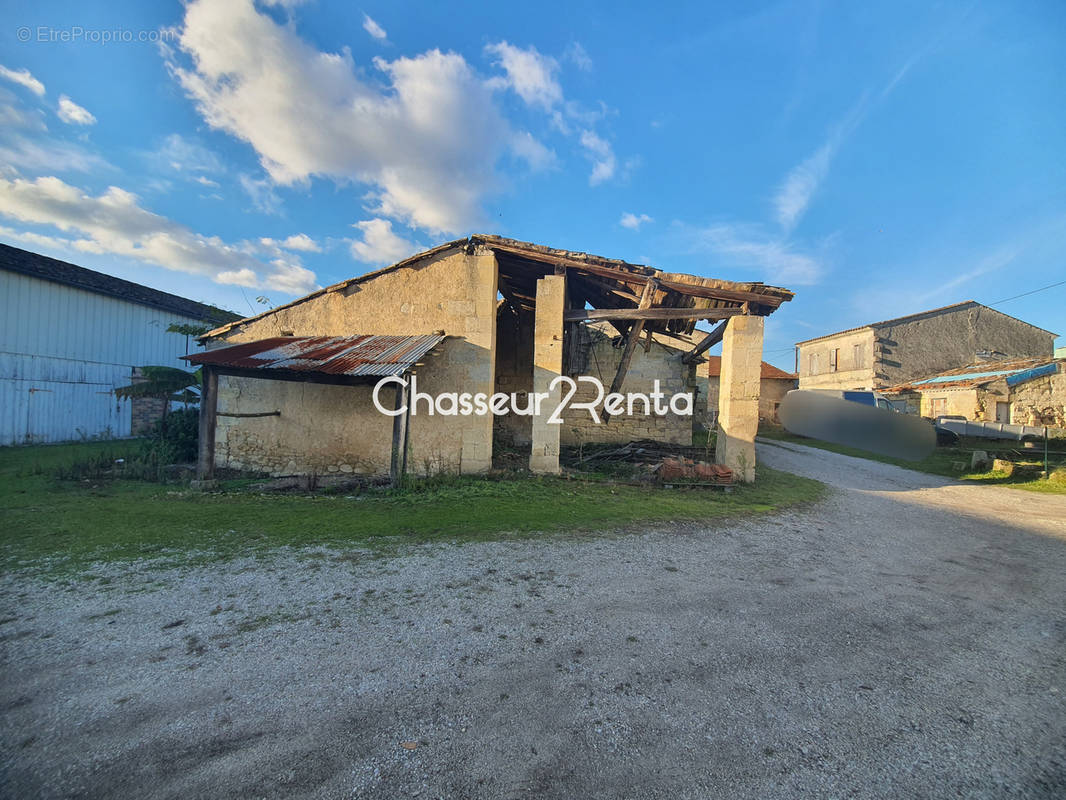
pixel 166 383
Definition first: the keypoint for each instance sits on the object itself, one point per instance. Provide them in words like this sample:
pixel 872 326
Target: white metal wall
pixel 63 352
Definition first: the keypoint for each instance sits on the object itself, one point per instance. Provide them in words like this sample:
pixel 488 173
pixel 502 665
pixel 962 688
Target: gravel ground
pixel 905 637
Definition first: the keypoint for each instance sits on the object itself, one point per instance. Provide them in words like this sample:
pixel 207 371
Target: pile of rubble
pixel 699 473
pixel 668 464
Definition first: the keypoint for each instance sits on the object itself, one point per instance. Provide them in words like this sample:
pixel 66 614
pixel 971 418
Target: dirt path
pixel 906 637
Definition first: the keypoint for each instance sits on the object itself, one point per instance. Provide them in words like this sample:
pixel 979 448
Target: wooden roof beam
pixel 649 314
pixel 709 341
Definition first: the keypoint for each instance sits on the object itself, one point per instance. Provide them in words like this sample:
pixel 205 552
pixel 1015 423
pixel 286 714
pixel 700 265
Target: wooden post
pixel 631 342
pixel 205 465
pixel 399 437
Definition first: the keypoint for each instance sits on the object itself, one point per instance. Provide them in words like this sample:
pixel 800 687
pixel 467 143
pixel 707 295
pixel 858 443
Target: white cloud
pixel 182 154
pixel 203 181
pixel 46 154
pixel 31 239
pixel 114 222
pixel 634 221
pixel 302 242
pixel 371 27
pixel 73 114
pixel 529 74
pixel 579 57
pixel 379 244
pixel 290 276
pixel 14 115
pixel 532 151
pixel 803 181
pixel 23 78
pixel 261 192
pixel 601 154
pixel 427 142
pixel 776 260
pixel 27 146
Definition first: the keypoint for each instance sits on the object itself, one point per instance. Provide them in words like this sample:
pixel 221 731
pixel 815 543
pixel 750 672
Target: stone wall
pixel 855 362
pixel 938 342
pixel 959 402
pixel 325 428
pixel 1040 401
pixel 145 412
pixel 601 355
pixel 771 392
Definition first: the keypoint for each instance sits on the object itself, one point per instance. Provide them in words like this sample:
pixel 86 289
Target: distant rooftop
pixel 714 365
pixel 1015 370
pixel 35 265
pixel 919 315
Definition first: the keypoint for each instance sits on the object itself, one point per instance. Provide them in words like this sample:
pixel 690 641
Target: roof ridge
pixel 54 270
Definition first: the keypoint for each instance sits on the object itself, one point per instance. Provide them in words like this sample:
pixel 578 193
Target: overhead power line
pixel 1026 294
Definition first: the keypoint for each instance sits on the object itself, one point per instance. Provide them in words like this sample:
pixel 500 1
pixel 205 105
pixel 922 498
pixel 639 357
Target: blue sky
pixel 877 158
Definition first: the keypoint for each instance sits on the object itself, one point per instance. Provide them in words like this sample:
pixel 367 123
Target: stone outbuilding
pixel 902 349
pixel 295 390
pixel 774 384
pixel 1027 391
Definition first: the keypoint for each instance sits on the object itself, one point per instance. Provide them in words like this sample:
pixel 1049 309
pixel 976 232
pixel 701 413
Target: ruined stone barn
pixel 292 391
pixel 1020 391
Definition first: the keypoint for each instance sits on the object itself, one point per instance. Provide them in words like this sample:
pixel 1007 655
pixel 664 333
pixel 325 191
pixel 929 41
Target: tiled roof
pixel 714 366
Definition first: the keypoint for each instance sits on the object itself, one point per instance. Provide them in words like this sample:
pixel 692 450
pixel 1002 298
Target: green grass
pixel 942 461
pixel 54 526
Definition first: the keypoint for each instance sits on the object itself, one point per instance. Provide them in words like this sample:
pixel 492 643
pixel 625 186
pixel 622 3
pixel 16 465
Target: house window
pixel 812 366
pixel 834 356
pixel 939 406
pixel 856 357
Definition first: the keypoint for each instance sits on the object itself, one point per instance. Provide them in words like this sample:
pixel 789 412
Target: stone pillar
pixel 738 396
pixel 547 365
pixel 479 330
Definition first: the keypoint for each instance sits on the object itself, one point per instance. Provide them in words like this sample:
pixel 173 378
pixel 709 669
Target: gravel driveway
pixel 905 637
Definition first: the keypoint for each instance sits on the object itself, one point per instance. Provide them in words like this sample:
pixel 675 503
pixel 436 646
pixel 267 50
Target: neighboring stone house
pixel 293 387
pixel 1028 391
pixel 892 352
pixel 774 384
pixel 71 336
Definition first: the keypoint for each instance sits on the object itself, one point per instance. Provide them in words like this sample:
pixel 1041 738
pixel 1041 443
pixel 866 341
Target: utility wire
pixel 1026 294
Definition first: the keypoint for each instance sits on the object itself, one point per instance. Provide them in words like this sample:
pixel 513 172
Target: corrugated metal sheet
pixel 63 351
pixel 1015 370
pixel 965 377
pixel 1029 374
pixel 353 356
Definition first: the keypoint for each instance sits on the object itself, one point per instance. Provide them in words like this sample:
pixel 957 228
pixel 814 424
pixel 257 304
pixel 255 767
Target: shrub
pixel 174 438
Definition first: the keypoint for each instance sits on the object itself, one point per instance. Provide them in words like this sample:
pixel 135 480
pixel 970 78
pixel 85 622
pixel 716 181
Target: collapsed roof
pixel 1014 371
pixel 600 288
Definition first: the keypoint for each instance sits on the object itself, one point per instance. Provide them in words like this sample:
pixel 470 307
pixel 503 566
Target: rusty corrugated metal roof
pixel 354 356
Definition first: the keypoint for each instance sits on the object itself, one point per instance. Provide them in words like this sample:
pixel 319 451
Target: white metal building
pixel 70 336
